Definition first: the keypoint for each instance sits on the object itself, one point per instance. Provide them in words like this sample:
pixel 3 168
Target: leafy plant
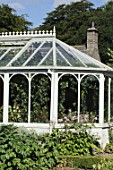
pixel 68 92
pixel 16 113
pixel 109 148
pixel 22 149
pixel 103 165
pixel 76 142
pixel 40 99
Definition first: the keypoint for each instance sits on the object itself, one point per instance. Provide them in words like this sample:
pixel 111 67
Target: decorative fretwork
pixel 29 33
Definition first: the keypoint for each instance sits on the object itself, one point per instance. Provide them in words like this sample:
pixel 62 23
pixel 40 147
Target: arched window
pixel 18 99
pixel 40 98
pixel 89 110
pixel 68 96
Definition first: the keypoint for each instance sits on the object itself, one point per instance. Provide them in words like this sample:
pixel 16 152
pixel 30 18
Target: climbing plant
pixel 39 96
pixel 40 99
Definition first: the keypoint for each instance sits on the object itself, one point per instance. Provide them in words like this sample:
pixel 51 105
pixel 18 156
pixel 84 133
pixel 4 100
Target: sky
pixel 36 10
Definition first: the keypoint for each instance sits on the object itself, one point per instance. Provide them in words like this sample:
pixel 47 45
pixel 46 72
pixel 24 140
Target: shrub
pixel 104 165
pixel 109 148
pixel 74 142
pixel 86 162
pixel 24 150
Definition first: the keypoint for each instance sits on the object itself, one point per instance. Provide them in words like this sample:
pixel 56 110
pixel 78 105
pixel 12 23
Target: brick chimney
pixel 92 42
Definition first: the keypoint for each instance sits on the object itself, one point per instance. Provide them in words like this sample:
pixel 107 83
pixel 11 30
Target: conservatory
pixel 44 82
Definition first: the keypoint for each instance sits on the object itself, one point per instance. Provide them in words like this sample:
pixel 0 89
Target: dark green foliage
pixel 111 135
pixel 109 148
pixel 73 20
pixel 40 99
pixel 68 95
pixel 18 108
pixel 74 143
pixel 22 149
pixel 10 21
pixel 90 90
pixel 1 114
pixel 85 162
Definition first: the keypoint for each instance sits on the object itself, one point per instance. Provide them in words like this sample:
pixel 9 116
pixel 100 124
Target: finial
pixel 54 31
pixel 93 24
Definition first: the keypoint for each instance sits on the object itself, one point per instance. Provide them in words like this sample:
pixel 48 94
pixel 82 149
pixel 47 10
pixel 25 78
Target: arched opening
pixel 1 100
pixel 68 96
pixel 18 98
pixel 40 99
pixel 89 108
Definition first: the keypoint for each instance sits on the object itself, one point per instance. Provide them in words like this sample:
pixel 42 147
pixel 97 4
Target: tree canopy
pixel 10 21
pixel 73 20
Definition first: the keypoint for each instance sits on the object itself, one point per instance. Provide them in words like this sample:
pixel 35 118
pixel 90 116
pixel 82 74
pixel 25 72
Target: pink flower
pixel 74 118
pixel 66 119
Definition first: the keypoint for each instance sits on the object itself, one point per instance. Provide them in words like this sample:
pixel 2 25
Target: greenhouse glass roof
pixel 42 49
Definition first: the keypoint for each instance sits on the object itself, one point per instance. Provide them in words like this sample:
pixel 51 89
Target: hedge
pixel 85 162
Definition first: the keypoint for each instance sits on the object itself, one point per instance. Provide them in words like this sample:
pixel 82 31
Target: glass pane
pixel 41 53
pixel 35 59
pixel 2 51
pixel 49 60
pixel 92 65
pixel 87 60
pixel 26 54
pixel 74 61
pixel 8 57
pixel 61 61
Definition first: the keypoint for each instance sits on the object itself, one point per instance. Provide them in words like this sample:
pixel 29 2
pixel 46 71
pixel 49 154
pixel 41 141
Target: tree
pixel 103 18
pixel 110 56
pixel 10 21
pixel 70 20
pixel 73 20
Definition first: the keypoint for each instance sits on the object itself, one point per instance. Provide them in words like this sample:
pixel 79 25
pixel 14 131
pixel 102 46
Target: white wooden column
pixel 101 99
pixel 54 97
pixel 79 98
pixel 29 99
pixel 6 98
pixel 109 99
